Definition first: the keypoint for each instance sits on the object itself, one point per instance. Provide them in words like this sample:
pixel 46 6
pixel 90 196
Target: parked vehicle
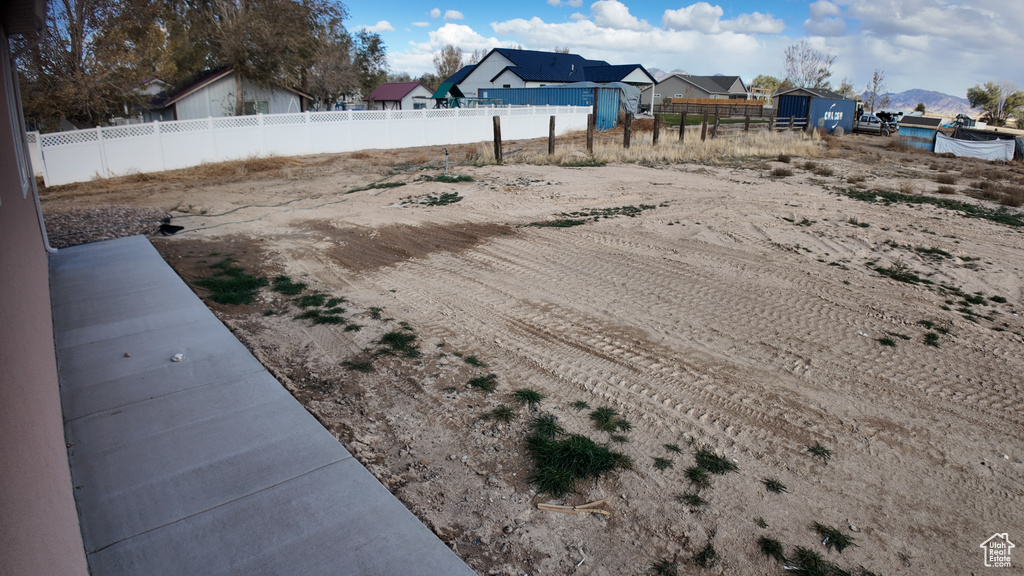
pixel 871 124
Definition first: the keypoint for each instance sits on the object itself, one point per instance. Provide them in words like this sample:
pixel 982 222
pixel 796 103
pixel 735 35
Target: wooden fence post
pixel 551 136
pixel 791 119
pixel 682 126
pixel 657 127
pixel 497 138
pixel 746 123
pixel 626 129
pixel 704 128
pixel 590 132
pixel 714 133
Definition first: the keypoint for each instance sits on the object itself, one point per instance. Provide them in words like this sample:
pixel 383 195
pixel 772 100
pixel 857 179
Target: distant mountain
pixel 935 103
pixel 660 75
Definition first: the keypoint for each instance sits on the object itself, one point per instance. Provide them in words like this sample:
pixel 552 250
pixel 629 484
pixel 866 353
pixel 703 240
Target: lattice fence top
pixel 329 117
pixel 129 131
pixel 183 126
pixel 319 118
pixel 284 119
pixel 236 122
pixel 370 115
pixel 74 137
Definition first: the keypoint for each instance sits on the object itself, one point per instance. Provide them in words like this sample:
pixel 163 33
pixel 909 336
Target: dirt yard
pixel 711 304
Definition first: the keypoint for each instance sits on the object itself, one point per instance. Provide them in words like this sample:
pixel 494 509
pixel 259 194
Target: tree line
pixel 94 55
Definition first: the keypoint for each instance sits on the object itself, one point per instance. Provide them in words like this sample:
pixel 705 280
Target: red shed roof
pixel 394 91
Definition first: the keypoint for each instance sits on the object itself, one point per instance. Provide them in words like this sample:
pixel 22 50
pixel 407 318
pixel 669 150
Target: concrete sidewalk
pixel 208 465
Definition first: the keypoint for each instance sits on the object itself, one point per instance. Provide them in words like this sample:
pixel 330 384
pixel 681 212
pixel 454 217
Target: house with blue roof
pixel 511 68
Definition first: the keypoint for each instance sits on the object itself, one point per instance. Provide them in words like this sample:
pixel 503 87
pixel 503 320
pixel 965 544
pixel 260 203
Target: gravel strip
pixel 95 224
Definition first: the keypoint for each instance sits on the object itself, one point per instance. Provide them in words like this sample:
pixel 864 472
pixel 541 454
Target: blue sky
pixel 943 45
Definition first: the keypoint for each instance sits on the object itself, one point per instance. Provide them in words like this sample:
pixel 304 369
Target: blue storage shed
pixel 821 108
pixel 919 132
pixel 607 100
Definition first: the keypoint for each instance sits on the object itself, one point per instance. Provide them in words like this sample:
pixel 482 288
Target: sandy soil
pixel 739 312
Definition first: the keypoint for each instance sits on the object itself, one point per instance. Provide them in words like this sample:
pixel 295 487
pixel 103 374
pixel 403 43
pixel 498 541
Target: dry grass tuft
pixel 946 189
pixel 908 187
pixel 946 178
pixel 572 151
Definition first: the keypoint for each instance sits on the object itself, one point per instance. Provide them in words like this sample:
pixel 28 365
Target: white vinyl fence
pixel 81 155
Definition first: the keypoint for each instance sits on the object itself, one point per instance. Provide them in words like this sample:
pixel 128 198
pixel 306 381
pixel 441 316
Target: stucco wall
pixel 39 532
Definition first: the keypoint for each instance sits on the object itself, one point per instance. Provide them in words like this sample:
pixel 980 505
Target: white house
pixel 399 96
pixel 212 94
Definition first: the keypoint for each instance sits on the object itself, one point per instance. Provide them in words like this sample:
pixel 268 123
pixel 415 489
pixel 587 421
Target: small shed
pixel 212 94
pixel 822 108
pixel 919 131
pixel 399 96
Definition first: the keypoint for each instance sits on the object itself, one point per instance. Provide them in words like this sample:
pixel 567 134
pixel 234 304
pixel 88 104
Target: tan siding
pixel 39 528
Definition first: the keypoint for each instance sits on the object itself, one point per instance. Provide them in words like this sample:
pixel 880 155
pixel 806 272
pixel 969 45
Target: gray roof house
pixel 510 68
pixel 704 87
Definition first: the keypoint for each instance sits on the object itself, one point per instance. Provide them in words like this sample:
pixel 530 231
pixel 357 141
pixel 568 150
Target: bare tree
pixel 1007 90
pixel 846 89
pixel 448 61
pixel 562 49
pixel 806 67
pixel 877 94
pixel 476 56
pixel 332 73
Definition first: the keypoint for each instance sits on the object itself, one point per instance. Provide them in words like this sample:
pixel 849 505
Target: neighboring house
pixel 399 96
pixel 702 87
pixel 510 68
pixel 40 531
pixel 212 94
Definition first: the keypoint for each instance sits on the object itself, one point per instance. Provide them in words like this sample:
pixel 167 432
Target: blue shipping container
pixel 607 100
pixel 793 106
pixel 827 113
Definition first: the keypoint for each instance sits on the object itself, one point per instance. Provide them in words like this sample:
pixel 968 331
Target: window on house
pixel 419 105
pixel 256 107
pixel 678 96
pixel 657 95
pixel 506 85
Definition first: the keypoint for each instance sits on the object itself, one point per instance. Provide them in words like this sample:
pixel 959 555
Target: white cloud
pixel 699 17
pixel 825 20
pixel 754 23
pixel 421 24
pixel 615 14
pixel 453 15
pixel 707 19
pixel 382 26
pixel 825 27
pixel 435 13
pixel 823 9
pixel 576 16
pixel 555 3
